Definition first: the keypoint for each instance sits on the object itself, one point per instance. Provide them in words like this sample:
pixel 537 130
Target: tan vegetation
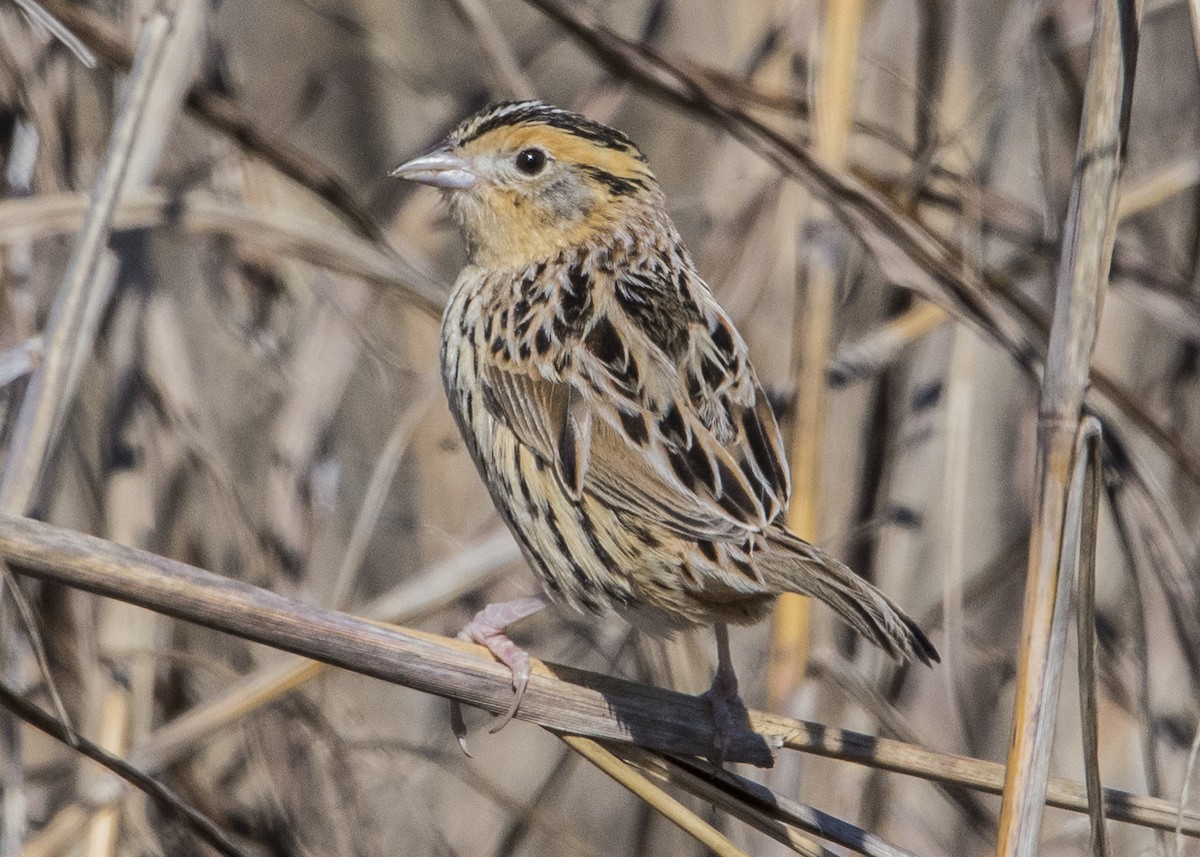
pixel 962 246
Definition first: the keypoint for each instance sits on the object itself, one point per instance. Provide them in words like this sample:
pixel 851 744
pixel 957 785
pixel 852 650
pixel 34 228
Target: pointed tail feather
pixel 793 565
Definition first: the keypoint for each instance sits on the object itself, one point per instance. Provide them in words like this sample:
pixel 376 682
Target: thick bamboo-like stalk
pixel 1083 274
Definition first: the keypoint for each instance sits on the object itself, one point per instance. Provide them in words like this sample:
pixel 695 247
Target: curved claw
pixel 520 670
pixel 459 726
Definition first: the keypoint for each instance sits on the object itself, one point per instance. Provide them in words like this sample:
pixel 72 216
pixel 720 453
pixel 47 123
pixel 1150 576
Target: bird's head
pixel 526 181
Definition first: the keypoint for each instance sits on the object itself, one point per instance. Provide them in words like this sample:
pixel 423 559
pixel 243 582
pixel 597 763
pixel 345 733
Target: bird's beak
pixel 439 168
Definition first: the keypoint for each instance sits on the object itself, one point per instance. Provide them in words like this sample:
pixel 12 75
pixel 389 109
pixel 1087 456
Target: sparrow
pixel 609 403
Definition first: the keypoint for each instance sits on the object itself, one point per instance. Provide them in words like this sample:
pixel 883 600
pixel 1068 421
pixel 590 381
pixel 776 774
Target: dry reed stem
pixel 100 839
pixel 833 111
pixel 430 590
pixel 67 338
pixel 586 704
pixel 379 485
pixel 670 808
pixel 51 385
pixel 757 805
pixel 913 256
pixel 68 827
pixel 837 672
pixel 1083 273
pixel 42 18
pixel 224 116
pixel 560 698
pixel 880 347
pixel 20 361
pixel 131 494
pixel 275 231
pixel 763 815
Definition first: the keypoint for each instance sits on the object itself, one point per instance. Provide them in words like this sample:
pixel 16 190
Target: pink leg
pixel 488 628
pixel 722 694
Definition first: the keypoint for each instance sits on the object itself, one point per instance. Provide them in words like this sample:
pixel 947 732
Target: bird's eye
pixel 531 161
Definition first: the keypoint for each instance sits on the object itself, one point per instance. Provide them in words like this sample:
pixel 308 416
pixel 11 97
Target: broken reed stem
pixel 559 698
pixel 1083 272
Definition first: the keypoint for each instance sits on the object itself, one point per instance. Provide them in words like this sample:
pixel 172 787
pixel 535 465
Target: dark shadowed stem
pixel 757 805
pixel 1083 506
pixel 1083 273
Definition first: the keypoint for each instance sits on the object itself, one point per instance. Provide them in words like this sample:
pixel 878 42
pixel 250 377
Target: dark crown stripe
pixel 509 114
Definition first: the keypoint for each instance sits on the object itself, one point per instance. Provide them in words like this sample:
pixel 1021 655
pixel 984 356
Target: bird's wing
pixel 651 406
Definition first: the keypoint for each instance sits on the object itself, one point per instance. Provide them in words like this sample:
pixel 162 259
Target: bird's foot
pixel 488 629
pixel 723 699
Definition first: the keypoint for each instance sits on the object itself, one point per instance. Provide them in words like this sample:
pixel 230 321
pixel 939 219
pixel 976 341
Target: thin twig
pixel 58 30
pixel 156 791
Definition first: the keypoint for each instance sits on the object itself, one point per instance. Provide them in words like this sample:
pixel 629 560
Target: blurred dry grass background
pixel 259 398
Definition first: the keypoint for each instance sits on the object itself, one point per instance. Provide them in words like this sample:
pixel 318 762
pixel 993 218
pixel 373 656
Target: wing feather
pixel 686 438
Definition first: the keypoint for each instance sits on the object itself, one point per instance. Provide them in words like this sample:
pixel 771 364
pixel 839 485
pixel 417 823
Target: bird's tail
pixel 793 565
